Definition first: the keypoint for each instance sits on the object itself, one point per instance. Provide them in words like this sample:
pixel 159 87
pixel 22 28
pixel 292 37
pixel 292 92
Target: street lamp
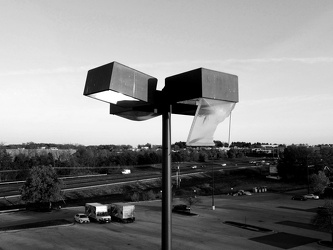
pixel 132 94
pixel 213 200
pixel 129 92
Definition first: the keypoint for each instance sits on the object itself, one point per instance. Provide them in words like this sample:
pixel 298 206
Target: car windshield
pixel 83 216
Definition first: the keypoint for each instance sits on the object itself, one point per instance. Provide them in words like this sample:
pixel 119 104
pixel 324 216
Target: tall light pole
pixel 208 95
pixel 213 200
pixel 229 130
pixel 166 179
pixel 178 177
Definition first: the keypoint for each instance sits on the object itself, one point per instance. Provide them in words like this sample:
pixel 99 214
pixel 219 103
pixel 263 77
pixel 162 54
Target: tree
pixel 5 160
pixel 218 144
pixel 6 164
pixel 203 156
pixel 179 144
pixel 231 153
pixel 190 198
pixel 319 182
pixel 324 218
pixel 41 186
pixel 295 162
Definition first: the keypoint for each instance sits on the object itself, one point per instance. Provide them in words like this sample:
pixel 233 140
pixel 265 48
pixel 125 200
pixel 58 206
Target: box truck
pixel 97 212
pixel 122 212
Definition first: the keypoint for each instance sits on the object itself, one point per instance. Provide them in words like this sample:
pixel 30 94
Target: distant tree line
pixel 299 162
pixel 295 162
pixel 96 159
pixel 33 145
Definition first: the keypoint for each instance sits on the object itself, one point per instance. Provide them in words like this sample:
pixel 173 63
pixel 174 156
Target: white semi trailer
pixel 97 212
pixel 122 212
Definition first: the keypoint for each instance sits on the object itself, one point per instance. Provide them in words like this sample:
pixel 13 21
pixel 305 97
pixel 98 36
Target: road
pixel 288 220
pixel 10 189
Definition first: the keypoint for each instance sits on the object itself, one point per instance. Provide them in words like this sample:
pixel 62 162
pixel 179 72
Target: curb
pixel 11 210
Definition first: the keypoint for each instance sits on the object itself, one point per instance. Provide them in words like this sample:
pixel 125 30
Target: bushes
pixel 142 196
pixel 134 194
pixel 150 195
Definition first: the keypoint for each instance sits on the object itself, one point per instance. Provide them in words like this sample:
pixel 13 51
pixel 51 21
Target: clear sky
pixel 281 51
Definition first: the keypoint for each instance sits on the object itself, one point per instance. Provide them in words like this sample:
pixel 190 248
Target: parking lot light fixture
pixel 114 82
pixel 132 94
pixel 129 92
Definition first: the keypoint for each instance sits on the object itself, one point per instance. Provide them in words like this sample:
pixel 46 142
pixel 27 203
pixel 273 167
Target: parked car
pixel 311 196
pixel 39 206
pixel 242 192
pixel 181 208
pixel 81 218
pixel 299 198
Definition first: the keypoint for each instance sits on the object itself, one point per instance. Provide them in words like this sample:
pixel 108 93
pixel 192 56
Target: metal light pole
pixel 213 201
pixel 307 174
pixel 166 179
pixel 178 177
pixel 229 129
pixel 308 177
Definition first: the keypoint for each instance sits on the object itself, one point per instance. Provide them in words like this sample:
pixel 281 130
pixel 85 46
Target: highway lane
pixel 12 188
pixel 8 189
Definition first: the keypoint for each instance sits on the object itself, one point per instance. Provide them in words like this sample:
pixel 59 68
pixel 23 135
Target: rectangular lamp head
pixel 115 82
pixel 207 94
pixel 201 83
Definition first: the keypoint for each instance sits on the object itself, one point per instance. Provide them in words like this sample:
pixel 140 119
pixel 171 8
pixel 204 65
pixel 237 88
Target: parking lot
pixel 287 221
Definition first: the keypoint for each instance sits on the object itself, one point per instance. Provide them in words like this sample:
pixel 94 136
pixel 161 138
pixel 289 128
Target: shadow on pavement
pixel 37 224
pixel 248 227
pixel 325 243
pixel 184 213
pixel 284 240
pixel 300 225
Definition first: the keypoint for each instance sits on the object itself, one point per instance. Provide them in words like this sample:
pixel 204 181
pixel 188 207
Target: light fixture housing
pixel 208 95
pixel 201 83
pixel 133 95
pixel 127 90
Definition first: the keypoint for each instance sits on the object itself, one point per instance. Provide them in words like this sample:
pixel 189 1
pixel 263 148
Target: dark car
pixel 299 198
pixel 39 206
pixel 181 208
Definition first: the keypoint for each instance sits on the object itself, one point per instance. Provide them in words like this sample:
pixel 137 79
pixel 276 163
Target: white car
pixel 126 171
pixel 242 192
pixel 311 196
pixel 81 218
